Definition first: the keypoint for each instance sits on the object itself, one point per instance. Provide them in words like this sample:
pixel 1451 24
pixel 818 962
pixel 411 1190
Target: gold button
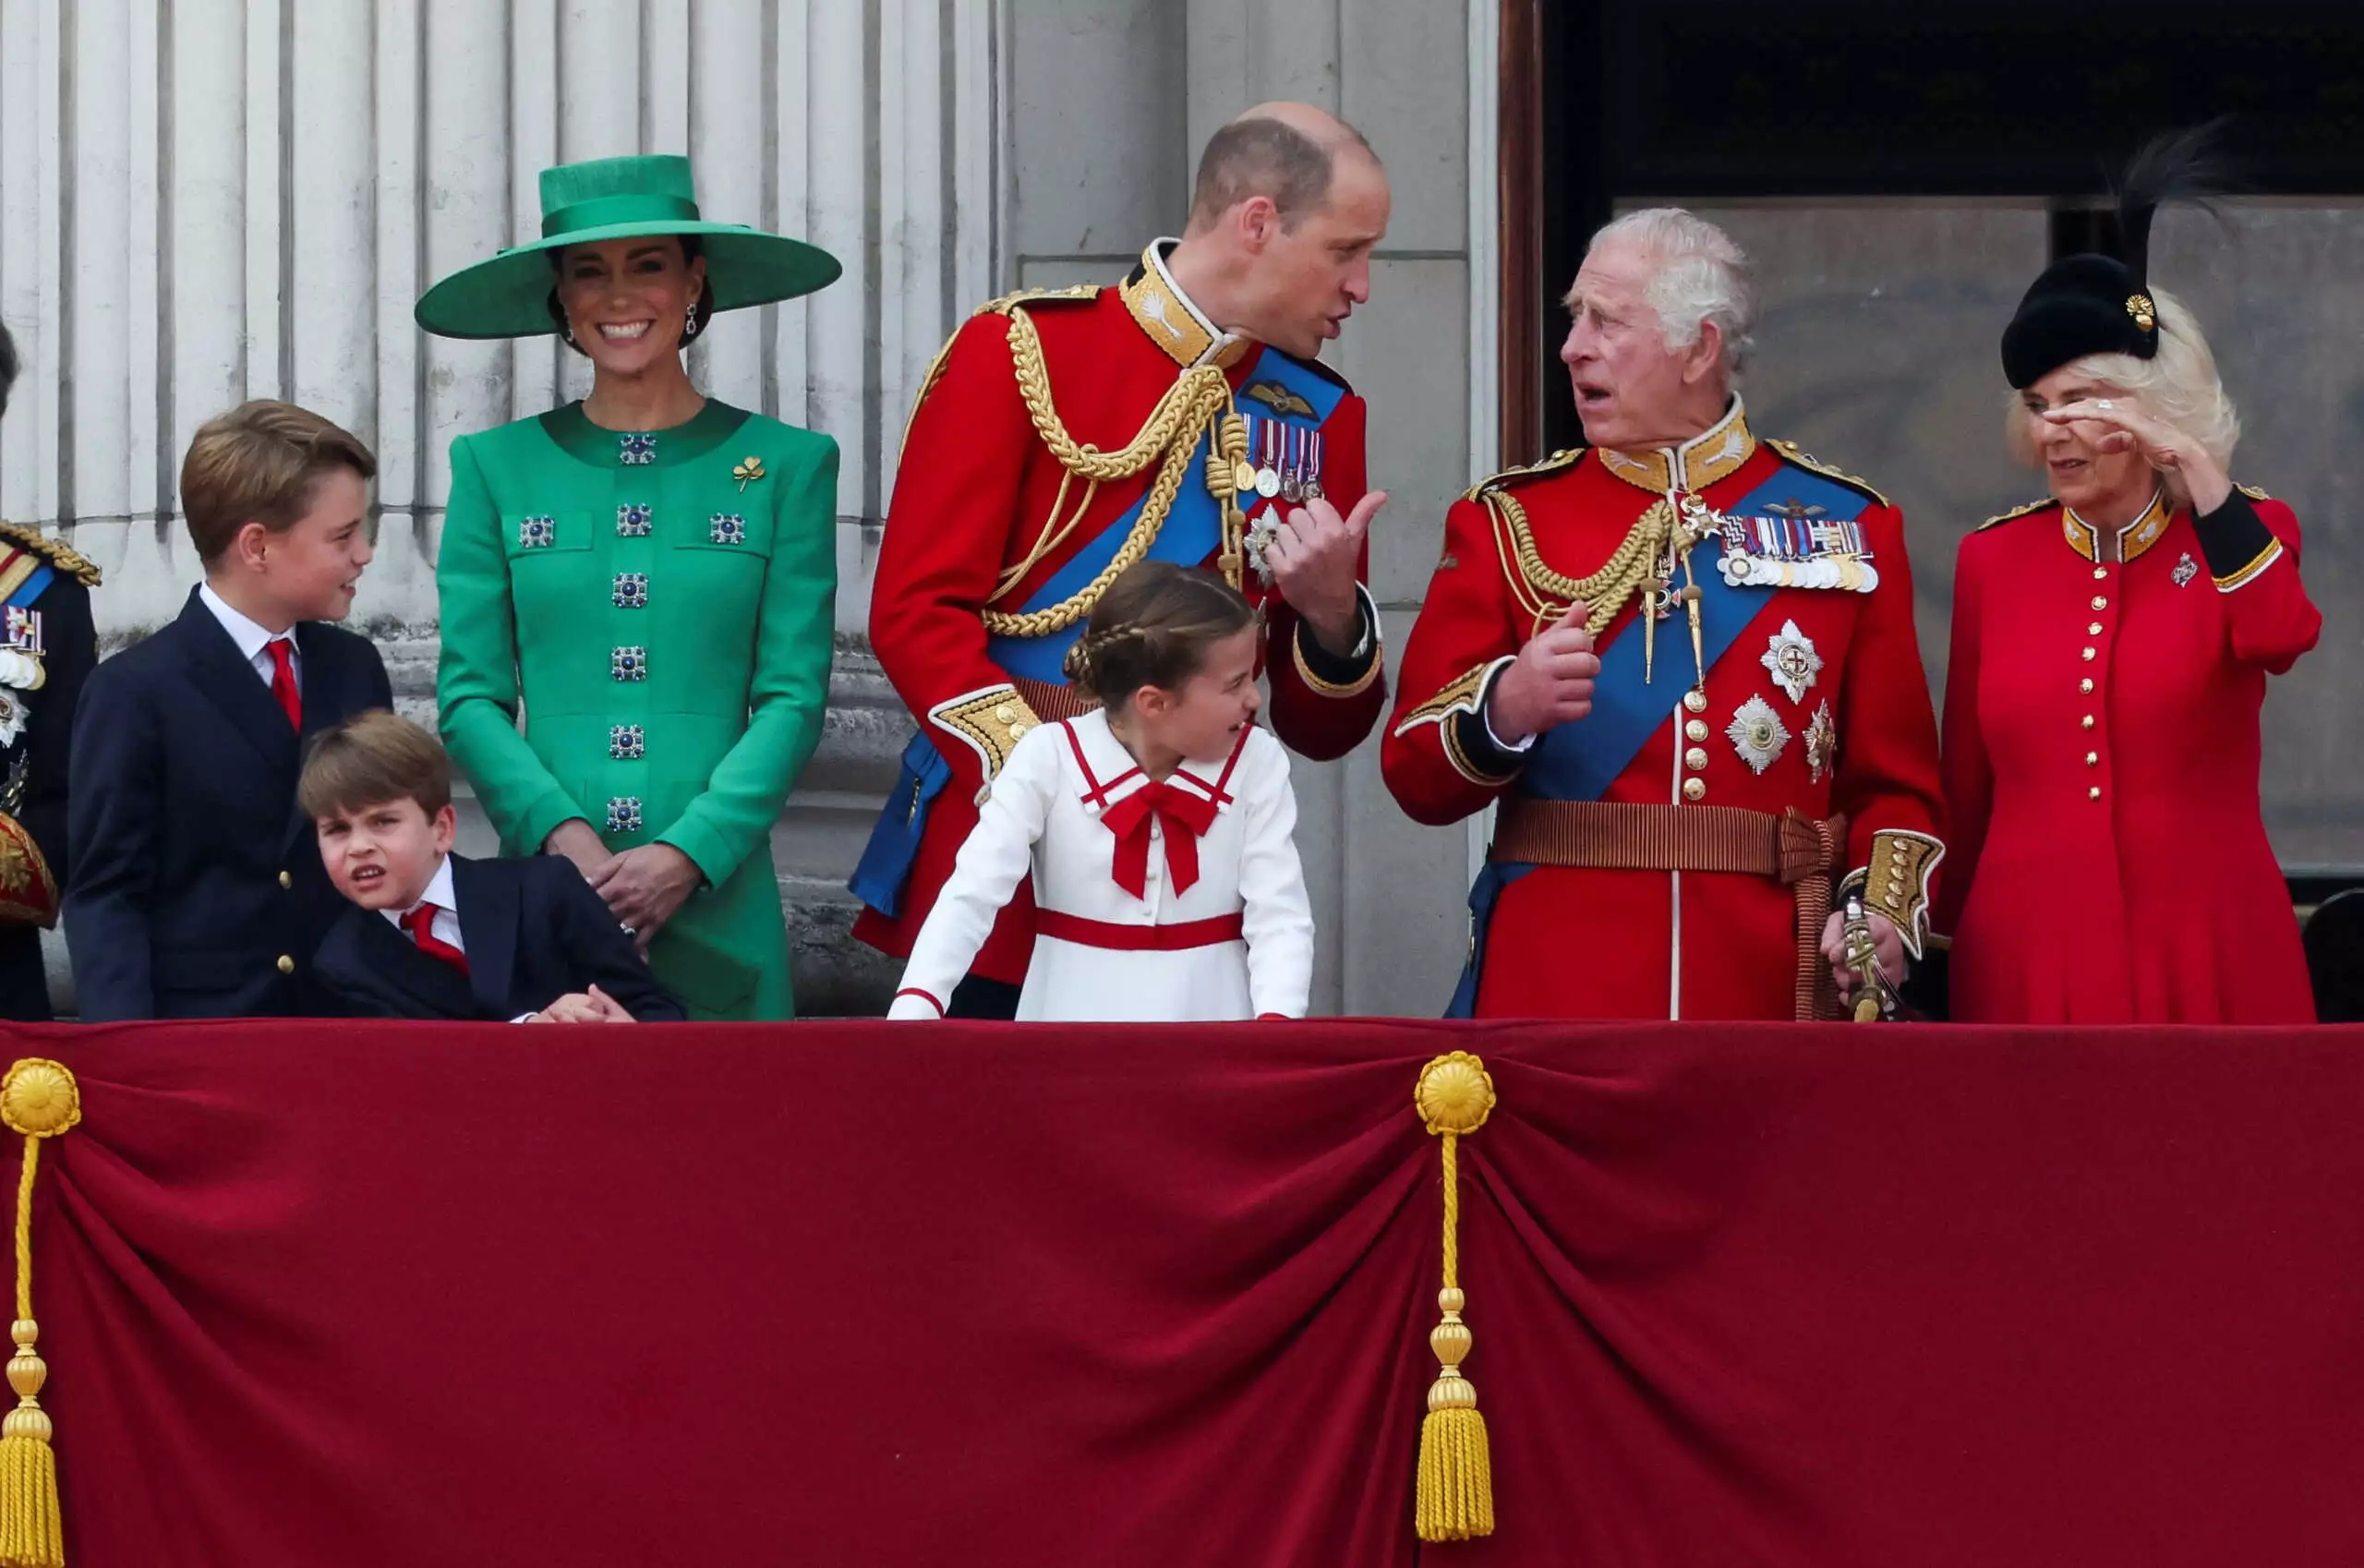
pixel 2101 573
pixel 2093 759
pixel 286 964
pixel 2088 721
pixel 2089 656
pixel 2094 630
pixel 1018 731
pixel 1694 788
pixel 1695 759
pixel 1005 712
pixel 285 880
pixel 2100 603
pixel 2094 793
pixel 2086 685
pixel 1696 730
pixel 1695 700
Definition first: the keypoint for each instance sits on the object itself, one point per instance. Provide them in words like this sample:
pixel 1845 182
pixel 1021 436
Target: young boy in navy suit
pixel 433 934
pixel 195 888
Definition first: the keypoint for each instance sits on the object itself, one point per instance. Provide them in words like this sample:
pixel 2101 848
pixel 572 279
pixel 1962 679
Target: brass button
pixel 1018 731
pixel 2093 759
pixel 2094 630
pixel 1695 759
pixel 286 964
pixel 1005 712
pixel 1695 700
pixel 2088 723
pixel 1694 730
pixel 2101 573
pixel 2089 656
pixel 285 880
pixel 2100 603
pixel 2094 793
pixel 1694 788
pixel 2086 685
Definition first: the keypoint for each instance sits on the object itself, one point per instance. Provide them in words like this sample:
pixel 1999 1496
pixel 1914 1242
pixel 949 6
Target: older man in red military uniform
pixel 1682 660
pixel 1183 415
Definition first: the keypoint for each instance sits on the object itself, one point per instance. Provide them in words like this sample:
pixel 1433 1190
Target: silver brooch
pixel 2186 570
pixel 727 528
pixel 1822 743
pixel 633 521
pixel 536 533
pixel 629 664
pixel 631 590
pixel 623 814
pixel 1757 734
pixel 637 451
pixel 1792 660
pixel 627 742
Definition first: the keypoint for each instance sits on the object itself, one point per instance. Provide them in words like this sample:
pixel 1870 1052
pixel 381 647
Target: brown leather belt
pixel 1050 702
pixel 1799 851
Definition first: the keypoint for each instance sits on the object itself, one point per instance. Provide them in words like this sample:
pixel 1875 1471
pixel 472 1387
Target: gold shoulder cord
pixel 1200 398
pixel 1547 593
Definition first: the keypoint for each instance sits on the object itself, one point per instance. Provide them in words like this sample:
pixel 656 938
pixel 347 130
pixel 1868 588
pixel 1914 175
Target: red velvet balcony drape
pixel 386 1295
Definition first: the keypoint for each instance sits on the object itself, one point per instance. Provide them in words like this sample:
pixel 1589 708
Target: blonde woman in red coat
pixel 2111 647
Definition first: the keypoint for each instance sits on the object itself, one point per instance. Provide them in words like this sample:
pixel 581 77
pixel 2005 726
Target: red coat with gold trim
pixel 2110 861
pixel 988 520
pixel 1817 703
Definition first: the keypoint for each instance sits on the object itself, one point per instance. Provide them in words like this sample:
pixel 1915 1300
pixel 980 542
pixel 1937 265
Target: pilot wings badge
pixel 1279 399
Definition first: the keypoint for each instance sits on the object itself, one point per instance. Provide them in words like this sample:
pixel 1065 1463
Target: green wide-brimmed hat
pixel 508 296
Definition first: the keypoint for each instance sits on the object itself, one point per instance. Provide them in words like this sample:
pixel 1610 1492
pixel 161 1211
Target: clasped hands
pixel 643 886
pixel 584 1006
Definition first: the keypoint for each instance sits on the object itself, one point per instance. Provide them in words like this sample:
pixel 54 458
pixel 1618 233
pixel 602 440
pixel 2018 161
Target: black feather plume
pixel 2190 166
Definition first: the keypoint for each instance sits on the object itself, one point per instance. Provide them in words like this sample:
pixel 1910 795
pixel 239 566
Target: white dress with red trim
pixel 1179 901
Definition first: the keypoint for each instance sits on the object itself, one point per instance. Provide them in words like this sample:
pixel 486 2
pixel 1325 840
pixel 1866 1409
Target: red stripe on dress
pixel 1117 938
pixel 925 996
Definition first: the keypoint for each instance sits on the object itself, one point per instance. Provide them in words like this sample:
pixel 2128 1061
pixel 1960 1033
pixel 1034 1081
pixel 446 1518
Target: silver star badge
pixel 15 714
pixel 1757 734
pixel 1793 662
pixel 1822 743
pixel 2186 570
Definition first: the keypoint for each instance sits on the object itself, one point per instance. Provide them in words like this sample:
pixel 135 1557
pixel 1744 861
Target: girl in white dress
pixel 1158 830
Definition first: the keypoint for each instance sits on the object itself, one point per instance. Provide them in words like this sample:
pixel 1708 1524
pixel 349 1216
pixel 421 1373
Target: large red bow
pixel 1185 816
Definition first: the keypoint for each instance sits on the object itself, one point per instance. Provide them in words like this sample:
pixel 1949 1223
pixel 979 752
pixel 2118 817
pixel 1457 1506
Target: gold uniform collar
pixel 2132 540
pixel 1716 453
pixel 1166 316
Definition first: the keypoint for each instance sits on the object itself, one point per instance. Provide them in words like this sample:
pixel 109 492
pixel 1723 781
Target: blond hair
pixel 2177 386
pixel 258 463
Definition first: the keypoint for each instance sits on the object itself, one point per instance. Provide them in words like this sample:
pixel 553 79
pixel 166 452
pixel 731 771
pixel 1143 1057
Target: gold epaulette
pixel 1073 292
pixel 2252 492
pixel 2015 512
pixel 1567 457
pixel 1816 465
pixel 57 552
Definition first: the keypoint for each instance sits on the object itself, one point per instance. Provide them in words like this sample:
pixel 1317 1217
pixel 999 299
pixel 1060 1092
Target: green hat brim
pixel 508 296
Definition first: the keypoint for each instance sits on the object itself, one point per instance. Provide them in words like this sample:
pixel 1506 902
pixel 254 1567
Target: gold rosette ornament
pixel 39 1099
pixel 1455 1491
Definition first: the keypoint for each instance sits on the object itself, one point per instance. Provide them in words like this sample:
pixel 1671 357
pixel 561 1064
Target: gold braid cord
pixel 39 1099
pixel 1455 1498
pixel 1194 402
pixel 1547 594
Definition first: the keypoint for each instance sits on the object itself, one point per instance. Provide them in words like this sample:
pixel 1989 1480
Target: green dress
pixel 659 609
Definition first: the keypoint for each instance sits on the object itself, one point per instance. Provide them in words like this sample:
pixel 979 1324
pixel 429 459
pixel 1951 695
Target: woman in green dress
pixel 646 578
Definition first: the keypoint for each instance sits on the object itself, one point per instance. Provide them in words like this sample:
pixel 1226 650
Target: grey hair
pixel 2178 386
pixel 1702 276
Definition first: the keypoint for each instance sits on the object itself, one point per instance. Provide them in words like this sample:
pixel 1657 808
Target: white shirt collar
pixel 250 636
pixel 439 893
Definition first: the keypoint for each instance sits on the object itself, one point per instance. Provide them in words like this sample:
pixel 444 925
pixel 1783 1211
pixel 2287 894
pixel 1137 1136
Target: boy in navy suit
pixel 433 934
pixel 195 888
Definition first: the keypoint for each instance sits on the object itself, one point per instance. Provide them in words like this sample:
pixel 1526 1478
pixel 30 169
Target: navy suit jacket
pixel 197 889
pixel 533 930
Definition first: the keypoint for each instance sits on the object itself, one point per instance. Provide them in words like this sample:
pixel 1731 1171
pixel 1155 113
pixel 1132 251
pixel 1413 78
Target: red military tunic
pixel 2110 861
pixel 989 519
pixel 1817 704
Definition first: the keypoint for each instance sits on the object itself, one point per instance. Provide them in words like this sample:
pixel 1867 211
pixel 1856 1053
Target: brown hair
pixel 258 463
pixel 694 329
pixel 371 759
pixel 1267 157
pixel 1153 628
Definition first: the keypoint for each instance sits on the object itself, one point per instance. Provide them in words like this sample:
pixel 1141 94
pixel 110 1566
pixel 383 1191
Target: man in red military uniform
pixel 1182 416
pixel 1683 662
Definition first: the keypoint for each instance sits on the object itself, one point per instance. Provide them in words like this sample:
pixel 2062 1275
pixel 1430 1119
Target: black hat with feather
pixel 2094 303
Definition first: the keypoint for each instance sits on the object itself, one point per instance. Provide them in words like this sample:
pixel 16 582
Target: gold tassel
pixel 1456 1489
pixel 39 1099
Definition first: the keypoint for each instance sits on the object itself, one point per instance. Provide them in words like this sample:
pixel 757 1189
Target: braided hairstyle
pixel 1153 627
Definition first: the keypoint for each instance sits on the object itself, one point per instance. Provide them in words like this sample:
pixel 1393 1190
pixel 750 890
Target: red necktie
pixel 1183 815
pixel 420 924
pixel 282 679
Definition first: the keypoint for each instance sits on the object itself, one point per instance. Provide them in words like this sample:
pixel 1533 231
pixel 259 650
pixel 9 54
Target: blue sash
pixel 1193 532
pixel 29 589
pixel 1578 762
